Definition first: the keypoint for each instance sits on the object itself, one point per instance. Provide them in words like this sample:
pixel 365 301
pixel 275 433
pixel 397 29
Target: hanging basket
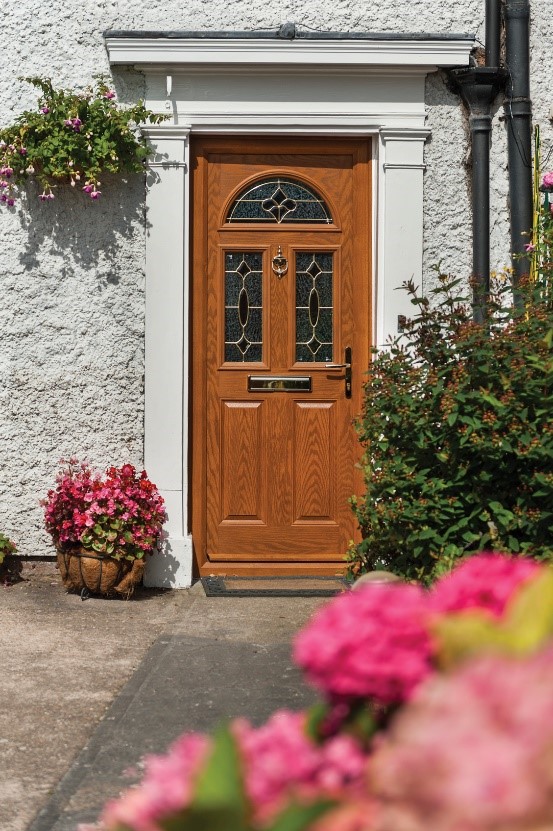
pixel 85 571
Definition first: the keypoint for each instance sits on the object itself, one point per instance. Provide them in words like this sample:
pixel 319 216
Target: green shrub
pixel 458 434
pixel 6 547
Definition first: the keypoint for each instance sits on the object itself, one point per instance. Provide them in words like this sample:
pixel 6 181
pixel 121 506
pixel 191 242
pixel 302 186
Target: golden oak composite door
pixel 281 283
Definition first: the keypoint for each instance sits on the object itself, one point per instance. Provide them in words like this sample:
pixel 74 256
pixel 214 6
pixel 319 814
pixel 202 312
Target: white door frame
pixel 371 86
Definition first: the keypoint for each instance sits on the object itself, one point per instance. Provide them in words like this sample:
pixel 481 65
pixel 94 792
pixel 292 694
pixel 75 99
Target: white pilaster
pixel 166 360
pixel 400 225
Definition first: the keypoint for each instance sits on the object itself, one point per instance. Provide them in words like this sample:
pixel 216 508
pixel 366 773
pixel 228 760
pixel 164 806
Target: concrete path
pixel 87 688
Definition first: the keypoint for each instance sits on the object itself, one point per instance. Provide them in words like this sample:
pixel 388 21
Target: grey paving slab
pixel 184 683
pixel 216 659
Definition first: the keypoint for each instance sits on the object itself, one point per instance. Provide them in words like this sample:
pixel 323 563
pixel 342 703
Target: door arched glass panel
pixel 279 200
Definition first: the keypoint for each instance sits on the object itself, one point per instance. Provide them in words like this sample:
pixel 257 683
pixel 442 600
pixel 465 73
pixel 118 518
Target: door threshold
pixel 274 586
pixel 272 569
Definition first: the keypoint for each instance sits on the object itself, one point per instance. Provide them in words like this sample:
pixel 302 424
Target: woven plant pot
pixel 95 574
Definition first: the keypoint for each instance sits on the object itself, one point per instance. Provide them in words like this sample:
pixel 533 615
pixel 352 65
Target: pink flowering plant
pixel 72 137
pixel 119 514
pixel 465 749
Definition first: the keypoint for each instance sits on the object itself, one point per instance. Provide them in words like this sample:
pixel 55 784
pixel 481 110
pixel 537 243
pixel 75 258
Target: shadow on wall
pixel 88 233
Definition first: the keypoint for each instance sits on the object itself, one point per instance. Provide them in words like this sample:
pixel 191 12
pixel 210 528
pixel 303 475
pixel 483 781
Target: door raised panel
pixel 314 460
pixel 242 460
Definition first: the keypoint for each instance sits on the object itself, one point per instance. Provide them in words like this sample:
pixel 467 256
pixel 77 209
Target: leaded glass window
pixel 314 306
pixel 243 306
pixel 279 200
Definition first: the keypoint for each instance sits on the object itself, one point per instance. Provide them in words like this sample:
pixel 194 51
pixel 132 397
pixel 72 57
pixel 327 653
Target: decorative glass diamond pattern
pixel 243 306
pixel 279 200
pixel 314 306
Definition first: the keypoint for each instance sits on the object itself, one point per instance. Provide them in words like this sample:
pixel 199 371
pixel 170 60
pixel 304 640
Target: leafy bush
pixel 458 434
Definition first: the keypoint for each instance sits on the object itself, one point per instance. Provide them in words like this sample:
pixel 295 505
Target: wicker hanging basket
pixel 84 571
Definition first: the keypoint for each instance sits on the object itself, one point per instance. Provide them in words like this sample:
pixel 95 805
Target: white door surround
pixel 255 83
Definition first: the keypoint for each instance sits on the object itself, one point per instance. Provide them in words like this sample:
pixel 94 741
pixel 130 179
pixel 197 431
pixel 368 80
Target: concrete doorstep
pixel 88 688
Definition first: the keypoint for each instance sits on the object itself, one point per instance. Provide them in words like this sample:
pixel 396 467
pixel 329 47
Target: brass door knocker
pixel 280 264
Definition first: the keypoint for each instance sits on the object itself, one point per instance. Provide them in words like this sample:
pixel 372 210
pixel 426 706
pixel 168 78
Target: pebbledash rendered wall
pixel 72 305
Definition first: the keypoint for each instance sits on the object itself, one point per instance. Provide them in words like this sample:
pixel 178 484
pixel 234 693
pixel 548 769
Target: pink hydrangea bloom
pixel 471 751
pixel 371 643
pixel 281 762
pixel 485 581
pixel 165 789
pixel 547 180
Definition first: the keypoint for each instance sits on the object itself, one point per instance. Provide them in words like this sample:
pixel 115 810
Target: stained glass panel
pixel 279 200
pixel 243 307
pixel 314 306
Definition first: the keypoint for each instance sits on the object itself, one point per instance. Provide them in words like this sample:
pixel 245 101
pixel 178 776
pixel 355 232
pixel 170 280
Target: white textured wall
pixel 72 271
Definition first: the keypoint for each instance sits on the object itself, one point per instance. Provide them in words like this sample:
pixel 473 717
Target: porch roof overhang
pixel 348 50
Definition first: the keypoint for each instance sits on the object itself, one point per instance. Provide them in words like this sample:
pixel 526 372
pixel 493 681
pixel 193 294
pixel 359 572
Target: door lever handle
pixel 347 366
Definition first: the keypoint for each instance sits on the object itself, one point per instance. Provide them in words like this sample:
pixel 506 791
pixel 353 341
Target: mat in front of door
pixel 218 586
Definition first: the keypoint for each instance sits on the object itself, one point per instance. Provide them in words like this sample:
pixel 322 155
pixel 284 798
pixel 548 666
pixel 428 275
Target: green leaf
pixel 205 819
pixel 221 781
pixel 300 817
pixel 529 618
pixel 219 801
pixel 526 625
pixel 315 717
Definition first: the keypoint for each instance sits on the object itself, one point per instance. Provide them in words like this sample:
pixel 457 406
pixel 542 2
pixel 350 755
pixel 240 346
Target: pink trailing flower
pixel 372 643
pixel 109 94
pixel 484 581
pixel 471 752
pixel 529 247
pixel 75 123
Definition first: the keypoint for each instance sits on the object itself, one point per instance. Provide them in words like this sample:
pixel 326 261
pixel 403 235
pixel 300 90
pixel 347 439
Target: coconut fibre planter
pixel 89 573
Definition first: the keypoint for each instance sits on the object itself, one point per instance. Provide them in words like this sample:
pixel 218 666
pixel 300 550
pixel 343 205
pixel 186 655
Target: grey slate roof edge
pixel 276 35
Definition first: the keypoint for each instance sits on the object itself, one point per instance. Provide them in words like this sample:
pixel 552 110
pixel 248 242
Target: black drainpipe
pixel 518 113
pixel 479 87
pixel 493 33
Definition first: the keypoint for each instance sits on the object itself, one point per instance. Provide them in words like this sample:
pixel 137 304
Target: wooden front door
pixel 281 322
